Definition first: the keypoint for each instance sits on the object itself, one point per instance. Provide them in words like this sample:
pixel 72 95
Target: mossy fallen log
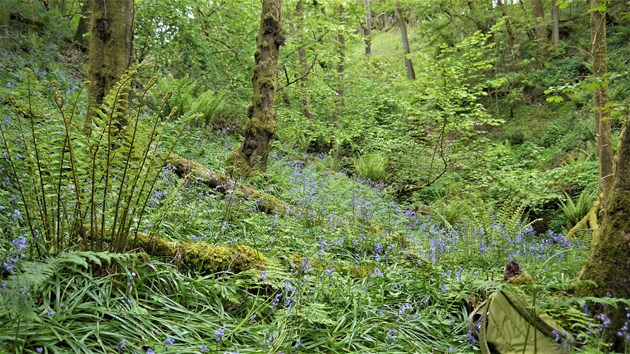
pixel 590 218
pixel 201 257
pixel 221 183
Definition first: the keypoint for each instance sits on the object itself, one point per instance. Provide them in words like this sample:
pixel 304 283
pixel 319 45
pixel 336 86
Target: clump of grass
pixel 372 166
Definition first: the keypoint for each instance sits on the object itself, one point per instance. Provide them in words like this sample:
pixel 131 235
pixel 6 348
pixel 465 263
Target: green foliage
pixel 78 190
pixel 372 166
pixel 575 211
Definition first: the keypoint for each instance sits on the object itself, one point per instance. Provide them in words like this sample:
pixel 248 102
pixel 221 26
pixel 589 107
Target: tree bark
pixel 367 30
pixel 555 19
pixel 84 26
pixel 303 91
pixel 110 49
pixel 252 156
pixel 602 114
pixel 539 16
pixel 339 99
pixel 609 262
pixel 411 74
pixel 508 23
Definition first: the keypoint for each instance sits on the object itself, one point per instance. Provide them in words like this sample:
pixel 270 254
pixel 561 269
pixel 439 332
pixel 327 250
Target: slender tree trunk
pixel 303 88
pixel 339 99
pixel 609 262
pixel 110 49
pixel 539 16
pixel 555 18
pixel 84 26
pixel 508 23
pixel 367 32
pixel 411 74
pixel 602 114
pixel 261 127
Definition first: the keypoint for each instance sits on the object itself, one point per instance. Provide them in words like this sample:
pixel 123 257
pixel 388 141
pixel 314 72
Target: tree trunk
pixel 602 114
pixel 110 49
pixel 508 23
pixel 539 16
pixel 253 153
pixel 339 99
pixel 367 31
pixel 84 26
pixel 303 91
pixel 555 19
pixel 411 74
pixel 609 262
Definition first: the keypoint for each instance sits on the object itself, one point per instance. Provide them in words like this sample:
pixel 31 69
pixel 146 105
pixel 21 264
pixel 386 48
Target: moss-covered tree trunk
pixel 253 153
pixel 602 115
pixel 411 74
pixel 111 39
pixel 609 262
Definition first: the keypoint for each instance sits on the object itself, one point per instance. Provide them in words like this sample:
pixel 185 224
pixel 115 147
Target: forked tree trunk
pixel 252 155
pixel 110 49
pixel 602 114
pixel 411 74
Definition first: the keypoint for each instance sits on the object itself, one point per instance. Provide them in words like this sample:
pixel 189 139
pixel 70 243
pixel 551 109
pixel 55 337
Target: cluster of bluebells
pixel 624 332
pixel 288 293
pixel 18 246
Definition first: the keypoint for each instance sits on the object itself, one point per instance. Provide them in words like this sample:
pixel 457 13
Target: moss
pixel 521 279
pixel 202 257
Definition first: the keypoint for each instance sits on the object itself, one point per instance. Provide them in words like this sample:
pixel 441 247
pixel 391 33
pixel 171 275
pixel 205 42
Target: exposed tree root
pixel 192 169
pixel 590 218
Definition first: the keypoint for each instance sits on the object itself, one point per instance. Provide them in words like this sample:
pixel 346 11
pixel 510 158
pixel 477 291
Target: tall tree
pixel 367 30
pixel 602 114
pixel 555 19
pixel 84 26
pixel 110 48
pixel 609 263
pixel 539 16
pixel 303 91
pixel 339 99
pixel 261 127
pixel 411 74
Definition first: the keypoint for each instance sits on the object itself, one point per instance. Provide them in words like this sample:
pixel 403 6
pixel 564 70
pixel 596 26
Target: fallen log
pixel 201 257
pixel 222 184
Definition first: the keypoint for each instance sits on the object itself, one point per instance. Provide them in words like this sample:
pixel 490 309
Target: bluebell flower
pixel 204 349
pixel 168 341
pixel 219 333
pixel 150 351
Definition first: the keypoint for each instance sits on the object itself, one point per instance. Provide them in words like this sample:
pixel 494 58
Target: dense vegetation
pixel 388 207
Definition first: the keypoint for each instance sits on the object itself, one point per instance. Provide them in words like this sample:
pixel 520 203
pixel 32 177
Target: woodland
pixel 303 176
